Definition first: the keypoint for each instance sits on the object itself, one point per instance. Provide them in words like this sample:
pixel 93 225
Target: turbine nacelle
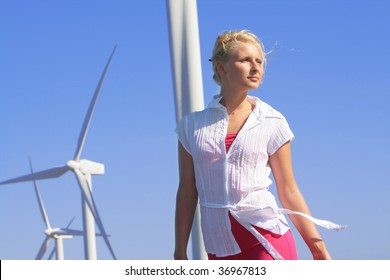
pixel 86 166
pixel 57 233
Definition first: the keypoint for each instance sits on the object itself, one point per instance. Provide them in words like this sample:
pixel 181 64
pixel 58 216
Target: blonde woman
pixel 226 155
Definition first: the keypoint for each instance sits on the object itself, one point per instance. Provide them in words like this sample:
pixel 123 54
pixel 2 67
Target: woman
pixel 226 154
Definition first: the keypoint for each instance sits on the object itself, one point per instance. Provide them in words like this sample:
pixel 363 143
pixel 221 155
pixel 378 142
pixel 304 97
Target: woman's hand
pixel 319 251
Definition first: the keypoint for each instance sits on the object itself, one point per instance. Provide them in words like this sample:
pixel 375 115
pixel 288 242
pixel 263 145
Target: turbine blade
pixel 46 174
pixel 71 221
pixel 87 120
pixel 86 191
pixel 43 248
pixel 51 254
pixel 99 234
pixel 68 231
pixel 39 198
pixel 74 232
pixel 77 232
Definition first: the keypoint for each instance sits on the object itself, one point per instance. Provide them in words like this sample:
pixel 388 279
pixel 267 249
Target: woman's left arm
pixel 291 198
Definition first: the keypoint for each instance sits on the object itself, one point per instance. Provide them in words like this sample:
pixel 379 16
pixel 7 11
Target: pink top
pixel 244 238
pixel 229 140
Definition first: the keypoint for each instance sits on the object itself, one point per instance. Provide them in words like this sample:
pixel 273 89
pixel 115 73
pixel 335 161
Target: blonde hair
pixel 225 44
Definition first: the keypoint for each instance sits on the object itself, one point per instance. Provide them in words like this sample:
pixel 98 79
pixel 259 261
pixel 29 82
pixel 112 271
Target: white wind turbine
pixel 58 234
pixel 187 78
pixel 83 169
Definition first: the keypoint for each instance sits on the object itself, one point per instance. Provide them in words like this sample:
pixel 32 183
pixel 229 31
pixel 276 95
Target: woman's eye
pixel 247 59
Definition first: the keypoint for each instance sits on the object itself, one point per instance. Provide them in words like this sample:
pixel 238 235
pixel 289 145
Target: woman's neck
pixel 235 102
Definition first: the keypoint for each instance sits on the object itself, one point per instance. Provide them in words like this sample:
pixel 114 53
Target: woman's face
pixel 243 69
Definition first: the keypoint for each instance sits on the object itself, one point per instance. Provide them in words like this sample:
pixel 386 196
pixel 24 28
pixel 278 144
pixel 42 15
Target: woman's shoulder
pixel 267 110
pixel 199 119
pixel 193 117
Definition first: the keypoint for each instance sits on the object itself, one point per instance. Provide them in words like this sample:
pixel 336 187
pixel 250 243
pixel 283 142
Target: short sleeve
pixel 281 135
pixel 182 133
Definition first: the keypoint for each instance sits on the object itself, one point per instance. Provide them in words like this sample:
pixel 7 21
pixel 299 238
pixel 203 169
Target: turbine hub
pixel 72 164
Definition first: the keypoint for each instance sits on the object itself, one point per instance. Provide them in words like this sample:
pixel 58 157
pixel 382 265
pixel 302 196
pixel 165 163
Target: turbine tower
pixel 83 169
pixel 188 85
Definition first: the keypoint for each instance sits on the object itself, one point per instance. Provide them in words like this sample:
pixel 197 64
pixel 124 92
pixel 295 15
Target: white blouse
pixel 237 181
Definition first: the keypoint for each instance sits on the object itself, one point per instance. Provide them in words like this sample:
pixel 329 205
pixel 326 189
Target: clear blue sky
pixel 328 74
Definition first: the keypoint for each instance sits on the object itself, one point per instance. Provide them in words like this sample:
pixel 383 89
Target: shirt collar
pixel 214 103
pixel 258 110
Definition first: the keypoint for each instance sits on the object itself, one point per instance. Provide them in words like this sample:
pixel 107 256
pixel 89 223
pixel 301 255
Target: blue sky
pixel 327 73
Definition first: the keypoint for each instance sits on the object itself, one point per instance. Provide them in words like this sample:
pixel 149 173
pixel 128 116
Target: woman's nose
pixel 255 67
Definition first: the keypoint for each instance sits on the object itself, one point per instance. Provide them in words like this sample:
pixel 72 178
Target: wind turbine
pixel 187 80
pixel 83 170
pixel 58 234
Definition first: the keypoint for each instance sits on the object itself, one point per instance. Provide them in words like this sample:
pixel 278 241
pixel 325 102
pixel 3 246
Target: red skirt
pixel 251 249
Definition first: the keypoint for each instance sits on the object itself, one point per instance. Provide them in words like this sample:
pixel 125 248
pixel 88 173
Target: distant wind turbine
pixel 58 234
pixel 83 169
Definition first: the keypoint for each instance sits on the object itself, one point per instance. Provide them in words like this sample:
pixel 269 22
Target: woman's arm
pixel 291 198
pixel 186 202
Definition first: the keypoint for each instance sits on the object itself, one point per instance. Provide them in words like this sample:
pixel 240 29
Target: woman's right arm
pixel 186 202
